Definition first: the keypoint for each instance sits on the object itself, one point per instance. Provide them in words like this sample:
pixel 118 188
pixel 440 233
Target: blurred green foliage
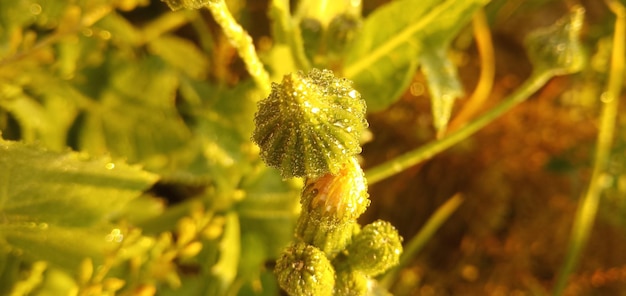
pixel 126 160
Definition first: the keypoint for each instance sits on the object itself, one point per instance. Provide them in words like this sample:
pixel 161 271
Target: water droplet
pixel 417 89
pixel 87 32
pixel 314 192
pixel 115 236
pixel 606 98
pixel 109 166
pixel 43 226
pixel 297 265
pixel 106 35
pixel 353 94
pixel 35 9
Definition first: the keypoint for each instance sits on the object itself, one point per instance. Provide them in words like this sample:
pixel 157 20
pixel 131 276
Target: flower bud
pixel 310 124
pixel 330 206
pixel 351 283
pixel 341 30
pixel 375 249
pixel 304 270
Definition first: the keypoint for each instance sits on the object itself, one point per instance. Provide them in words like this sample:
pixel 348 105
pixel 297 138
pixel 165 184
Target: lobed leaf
pixel 136 117
pixel 53 205
pixel 443 84
pixel 557 48
pixel 384 55
pixel 181 54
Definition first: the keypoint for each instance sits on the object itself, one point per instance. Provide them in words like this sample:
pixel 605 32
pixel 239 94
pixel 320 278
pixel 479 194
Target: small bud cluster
pixel 325 43
pixel 310 127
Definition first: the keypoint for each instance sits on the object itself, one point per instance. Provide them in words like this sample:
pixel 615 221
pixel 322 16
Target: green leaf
pixel 221 121
pixel 136 117
pixel 558 48
pixel 64 247
pixel 443 84
pixel 54 205
pixel 286 32
pixel 120 29
pixel 383 57
pixel 9 270
pixel 225 269
pixel 181 54
pixel 29 112
pixel 269 210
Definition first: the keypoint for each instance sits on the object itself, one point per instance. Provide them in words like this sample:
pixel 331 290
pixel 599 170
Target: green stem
pixel 588 205
pixel 204 34
pixel 417 242
pixel 166 23
pixel 402 162
pixel 289 33
pixel 242 42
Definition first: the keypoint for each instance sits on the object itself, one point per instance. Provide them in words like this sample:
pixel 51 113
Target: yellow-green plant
pixel 154 148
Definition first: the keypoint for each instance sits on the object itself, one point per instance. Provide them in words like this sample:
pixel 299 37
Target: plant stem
pixel 166 23
pixel 242 42
pixel 418 241
pixel 487 73
pixel 402 162
pixel 588 205
pixel 289 32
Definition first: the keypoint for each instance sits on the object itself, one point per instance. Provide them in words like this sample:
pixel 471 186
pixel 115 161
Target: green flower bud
pixel 312 31
pixel 304 270
pixel 341 30
pixel 310 124
pixel 351 283
pixel 375 249
pixel 330 206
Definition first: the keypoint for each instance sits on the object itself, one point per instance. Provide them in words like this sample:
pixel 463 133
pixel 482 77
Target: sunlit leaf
pixel 558 48
pixel 270 206
pixel 119 29
pixel 44 105
pixel 136 117
pixel 220 149
pixel 384 55
pixel 51 201
pixel 182 54
pixel 230 248
pixel 443 84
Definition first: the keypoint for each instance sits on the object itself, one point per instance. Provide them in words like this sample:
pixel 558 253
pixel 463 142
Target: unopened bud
pixel 330 206
pixel 304 270
pixel 375 249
